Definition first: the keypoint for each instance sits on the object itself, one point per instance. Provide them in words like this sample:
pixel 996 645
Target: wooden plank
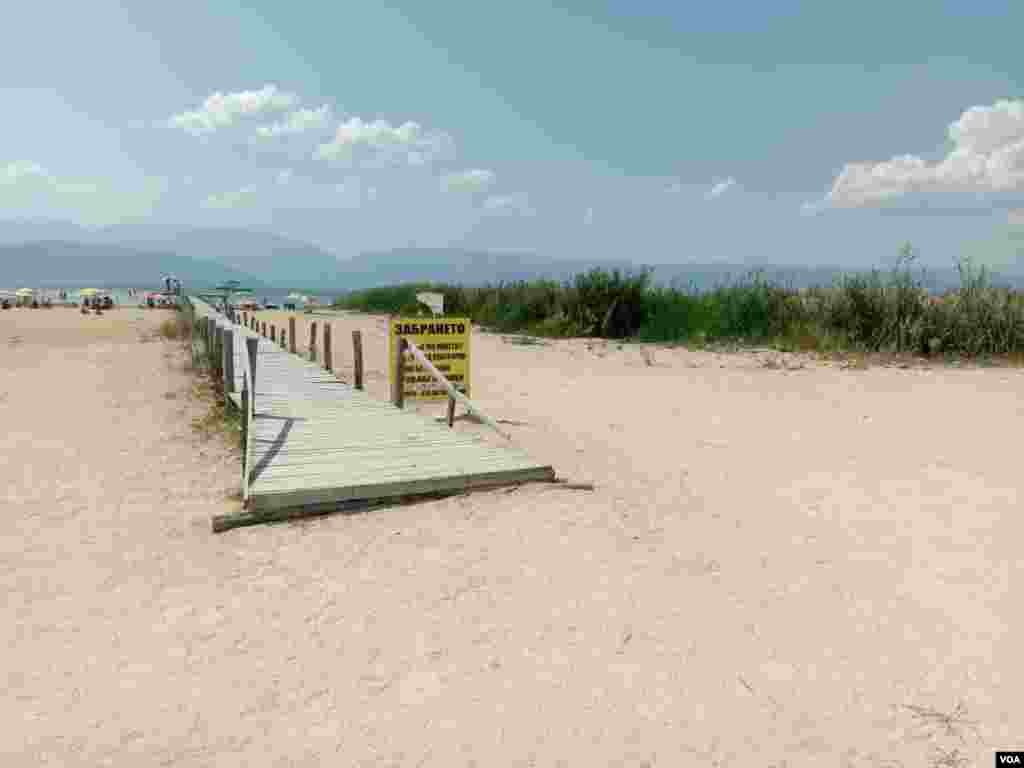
pixel 299 496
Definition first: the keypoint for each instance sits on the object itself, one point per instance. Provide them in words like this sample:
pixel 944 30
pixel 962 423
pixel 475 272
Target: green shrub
pixel 879 311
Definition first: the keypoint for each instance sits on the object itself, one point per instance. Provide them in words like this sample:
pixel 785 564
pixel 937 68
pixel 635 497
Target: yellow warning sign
pixel 444 341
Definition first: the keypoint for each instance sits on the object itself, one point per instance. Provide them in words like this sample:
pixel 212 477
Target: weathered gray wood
pixel 317 444
pixel 357 358
pixel 251 345
pixel 245 428
pixel 452 391
pixel 228 364
pixel 211 342
pixel 328 362
pixel 218 348
pixel 291 333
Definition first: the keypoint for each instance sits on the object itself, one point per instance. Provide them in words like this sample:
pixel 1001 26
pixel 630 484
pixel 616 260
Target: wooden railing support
pixel 405 344
pixel 357 357
pixel 398 382
pixel 251 346
pixel 228 357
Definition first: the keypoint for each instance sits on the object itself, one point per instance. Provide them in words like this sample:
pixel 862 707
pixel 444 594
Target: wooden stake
pixel 452 391
pixel 291 333
pixel 451 411
pixel 312 341
pixel 229 360
pixel 251 346
pixel 328 363
pixel 398 383
pixel 357 357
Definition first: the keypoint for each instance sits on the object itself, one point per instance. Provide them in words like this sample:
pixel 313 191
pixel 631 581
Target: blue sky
pixel 785 132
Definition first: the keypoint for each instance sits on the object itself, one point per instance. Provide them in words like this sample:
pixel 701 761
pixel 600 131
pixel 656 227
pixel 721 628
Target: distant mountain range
pixel 44 253
pixel 73 264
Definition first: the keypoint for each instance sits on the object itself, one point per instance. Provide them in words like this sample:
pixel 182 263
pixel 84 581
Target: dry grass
pixel 952 724
pixel 219 419
pixel 948 758
pixel 175 328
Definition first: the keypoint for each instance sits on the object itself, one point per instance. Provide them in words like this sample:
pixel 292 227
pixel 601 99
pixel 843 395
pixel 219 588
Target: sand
pixel 777 565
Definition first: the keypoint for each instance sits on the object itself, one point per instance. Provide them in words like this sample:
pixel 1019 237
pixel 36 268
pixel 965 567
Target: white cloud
pixel 20 171
pixel 29 189
pixel 720 188
pixel 297 122
pixel 508 204
pixel 987 156
pixel 380 141
pixel 472 180
pixel 221 110
pixel 227 200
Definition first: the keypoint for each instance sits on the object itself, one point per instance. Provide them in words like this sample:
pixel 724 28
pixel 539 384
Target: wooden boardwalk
pixel 318 443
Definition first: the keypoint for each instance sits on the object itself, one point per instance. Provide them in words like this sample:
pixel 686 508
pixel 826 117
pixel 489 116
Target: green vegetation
pixel 219 417
pixel 886 311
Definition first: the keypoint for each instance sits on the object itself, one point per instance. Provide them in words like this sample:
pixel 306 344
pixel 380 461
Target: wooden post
pixel 273 333
pixel 451 411
pixel 398 384
pixel 245 318
pixel 291 334
pixel 211 333
pixel 251 346
pixel 229 360
pixel 439 377
pixel 263 332
pixel 218 356
pixel 328 362
pixel 357 358
pixel 245 423
pixel 284 333
pixel 312 341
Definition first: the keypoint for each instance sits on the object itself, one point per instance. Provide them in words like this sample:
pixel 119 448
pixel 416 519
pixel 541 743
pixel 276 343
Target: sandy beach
pixel 784 563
